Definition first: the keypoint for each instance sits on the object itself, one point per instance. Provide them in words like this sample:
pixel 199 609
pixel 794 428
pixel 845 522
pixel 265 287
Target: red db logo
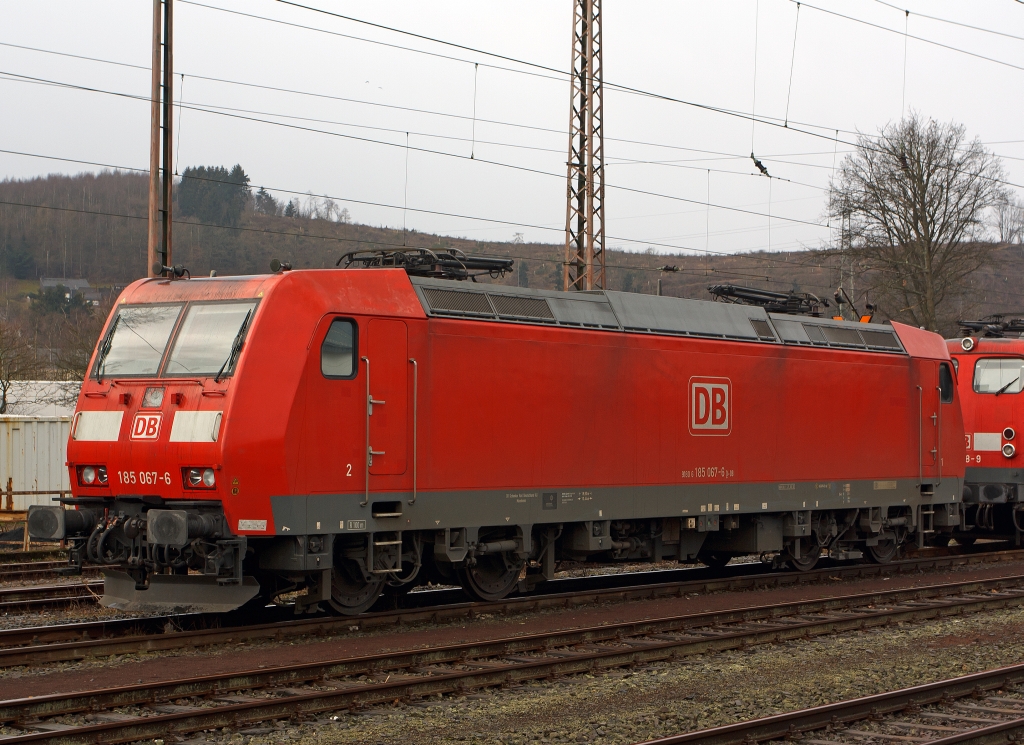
pixel 710 406
pixel 146 426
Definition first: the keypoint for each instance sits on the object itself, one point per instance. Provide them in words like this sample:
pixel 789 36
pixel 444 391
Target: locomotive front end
pixel 146 455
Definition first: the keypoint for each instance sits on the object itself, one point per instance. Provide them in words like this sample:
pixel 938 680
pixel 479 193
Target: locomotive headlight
pixel 101 475
pixel 967 344
pixel 89 475
pixel 199 478
pixel 1009 434
pixel 153 399
pixel 1009 450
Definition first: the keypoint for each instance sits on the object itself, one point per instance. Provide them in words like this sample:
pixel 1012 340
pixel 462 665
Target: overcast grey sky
pixel 846 75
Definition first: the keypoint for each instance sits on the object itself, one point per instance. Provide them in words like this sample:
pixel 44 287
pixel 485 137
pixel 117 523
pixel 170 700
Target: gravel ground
pixel 627 706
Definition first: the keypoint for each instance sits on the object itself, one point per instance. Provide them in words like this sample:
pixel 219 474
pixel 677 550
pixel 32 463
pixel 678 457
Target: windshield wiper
pixel 236 346
pixel 108 342
pixel 1003 389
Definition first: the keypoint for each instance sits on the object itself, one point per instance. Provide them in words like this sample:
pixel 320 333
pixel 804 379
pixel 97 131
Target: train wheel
pixel 884 552
pixel 492 577
pixel 351 594
pixel 714 561
pixel 806 562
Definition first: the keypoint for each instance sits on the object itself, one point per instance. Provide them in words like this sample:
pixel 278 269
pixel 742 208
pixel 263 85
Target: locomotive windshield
pixel 206 343
pixel 136 341
pixel 998 375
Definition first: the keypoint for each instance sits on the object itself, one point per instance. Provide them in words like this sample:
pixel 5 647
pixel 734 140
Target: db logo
pixel 146 426
pixel 710 406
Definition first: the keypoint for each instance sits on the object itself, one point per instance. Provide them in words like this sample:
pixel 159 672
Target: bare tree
pixel 1010 220
pixel 18 361
pixel 912 203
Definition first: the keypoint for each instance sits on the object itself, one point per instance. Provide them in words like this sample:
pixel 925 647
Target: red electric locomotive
pixel 990 365
pixel 356 431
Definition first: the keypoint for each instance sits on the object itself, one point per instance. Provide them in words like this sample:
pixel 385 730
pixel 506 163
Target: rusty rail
pixel 191 704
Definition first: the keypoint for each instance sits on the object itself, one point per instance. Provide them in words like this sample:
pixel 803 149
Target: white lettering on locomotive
pixel 710 406
pixel 146 426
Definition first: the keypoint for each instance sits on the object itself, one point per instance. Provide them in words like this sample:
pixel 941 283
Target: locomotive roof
pixel 386 291
pixel 635 313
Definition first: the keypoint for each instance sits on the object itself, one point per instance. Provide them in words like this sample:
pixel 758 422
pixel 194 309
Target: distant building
pixel 75 286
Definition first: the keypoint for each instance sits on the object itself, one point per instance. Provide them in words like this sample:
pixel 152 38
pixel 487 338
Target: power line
pixel 44 81
pixel 371 204
pixel 911 36
pixel 413 110
pixel 951 22
pixel 767 120
pixel 498 122
pixel 558 74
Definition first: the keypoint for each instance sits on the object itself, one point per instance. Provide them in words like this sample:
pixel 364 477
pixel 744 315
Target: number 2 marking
pixel 349 472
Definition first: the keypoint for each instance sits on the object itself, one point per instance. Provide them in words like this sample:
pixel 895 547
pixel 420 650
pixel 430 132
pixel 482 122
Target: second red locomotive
pixel 990 364
pixel 355 431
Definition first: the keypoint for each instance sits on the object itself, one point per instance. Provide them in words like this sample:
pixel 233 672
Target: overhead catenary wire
pixel 753 87
pixel 549 72
pixel 735 156
pixel 906 36
pixel 792 64
pixel 954 23
pixel 442 153
pixel 408 109
pixel 922 39
pixel 552 228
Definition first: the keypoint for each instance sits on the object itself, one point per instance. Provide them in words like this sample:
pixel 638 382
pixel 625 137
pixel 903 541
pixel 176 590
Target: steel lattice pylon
pixel 584 215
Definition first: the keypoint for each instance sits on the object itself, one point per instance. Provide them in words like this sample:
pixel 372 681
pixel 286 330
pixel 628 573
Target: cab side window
pixel 338 352
pixel 945 383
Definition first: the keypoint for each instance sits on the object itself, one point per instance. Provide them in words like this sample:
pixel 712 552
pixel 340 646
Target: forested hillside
pixel 94 226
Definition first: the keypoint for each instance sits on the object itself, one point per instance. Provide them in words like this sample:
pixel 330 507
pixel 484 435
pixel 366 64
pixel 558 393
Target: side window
pixel 338 352
pixel 998 375
pixel 945 383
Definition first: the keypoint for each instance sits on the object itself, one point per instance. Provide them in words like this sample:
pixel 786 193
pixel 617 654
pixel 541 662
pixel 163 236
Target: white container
pixel 33 451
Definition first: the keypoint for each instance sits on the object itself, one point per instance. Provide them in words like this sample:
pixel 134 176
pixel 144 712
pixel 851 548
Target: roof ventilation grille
pixel 522 307
pixel 458 303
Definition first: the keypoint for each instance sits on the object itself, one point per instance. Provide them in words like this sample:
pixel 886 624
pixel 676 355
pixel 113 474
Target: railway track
pixel 237 699
pixel 974 709
pixel 54 552
pixel 94 639
pixel 34 570
pixel 20 600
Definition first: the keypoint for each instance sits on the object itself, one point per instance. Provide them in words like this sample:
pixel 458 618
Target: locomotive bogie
pixel 356 433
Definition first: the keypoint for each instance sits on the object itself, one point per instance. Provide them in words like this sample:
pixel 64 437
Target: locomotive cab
pixel 990 373
pixel 146 454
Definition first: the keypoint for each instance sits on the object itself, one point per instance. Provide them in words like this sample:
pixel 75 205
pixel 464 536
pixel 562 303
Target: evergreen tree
pixel 264 203
pixel 212 194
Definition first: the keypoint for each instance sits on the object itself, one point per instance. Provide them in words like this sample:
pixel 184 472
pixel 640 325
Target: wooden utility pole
pixel 160 139
pixel 584 267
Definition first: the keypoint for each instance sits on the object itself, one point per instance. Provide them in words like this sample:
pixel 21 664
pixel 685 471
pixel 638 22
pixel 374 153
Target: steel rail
pixel 42 597
pixel 497 662
pixel 32 554
pixel 16 571
pixel 65 642
pixel 836 717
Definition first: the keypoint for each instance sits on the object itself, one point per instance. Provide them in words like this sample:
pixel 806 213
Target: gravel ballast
pixel 627 706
